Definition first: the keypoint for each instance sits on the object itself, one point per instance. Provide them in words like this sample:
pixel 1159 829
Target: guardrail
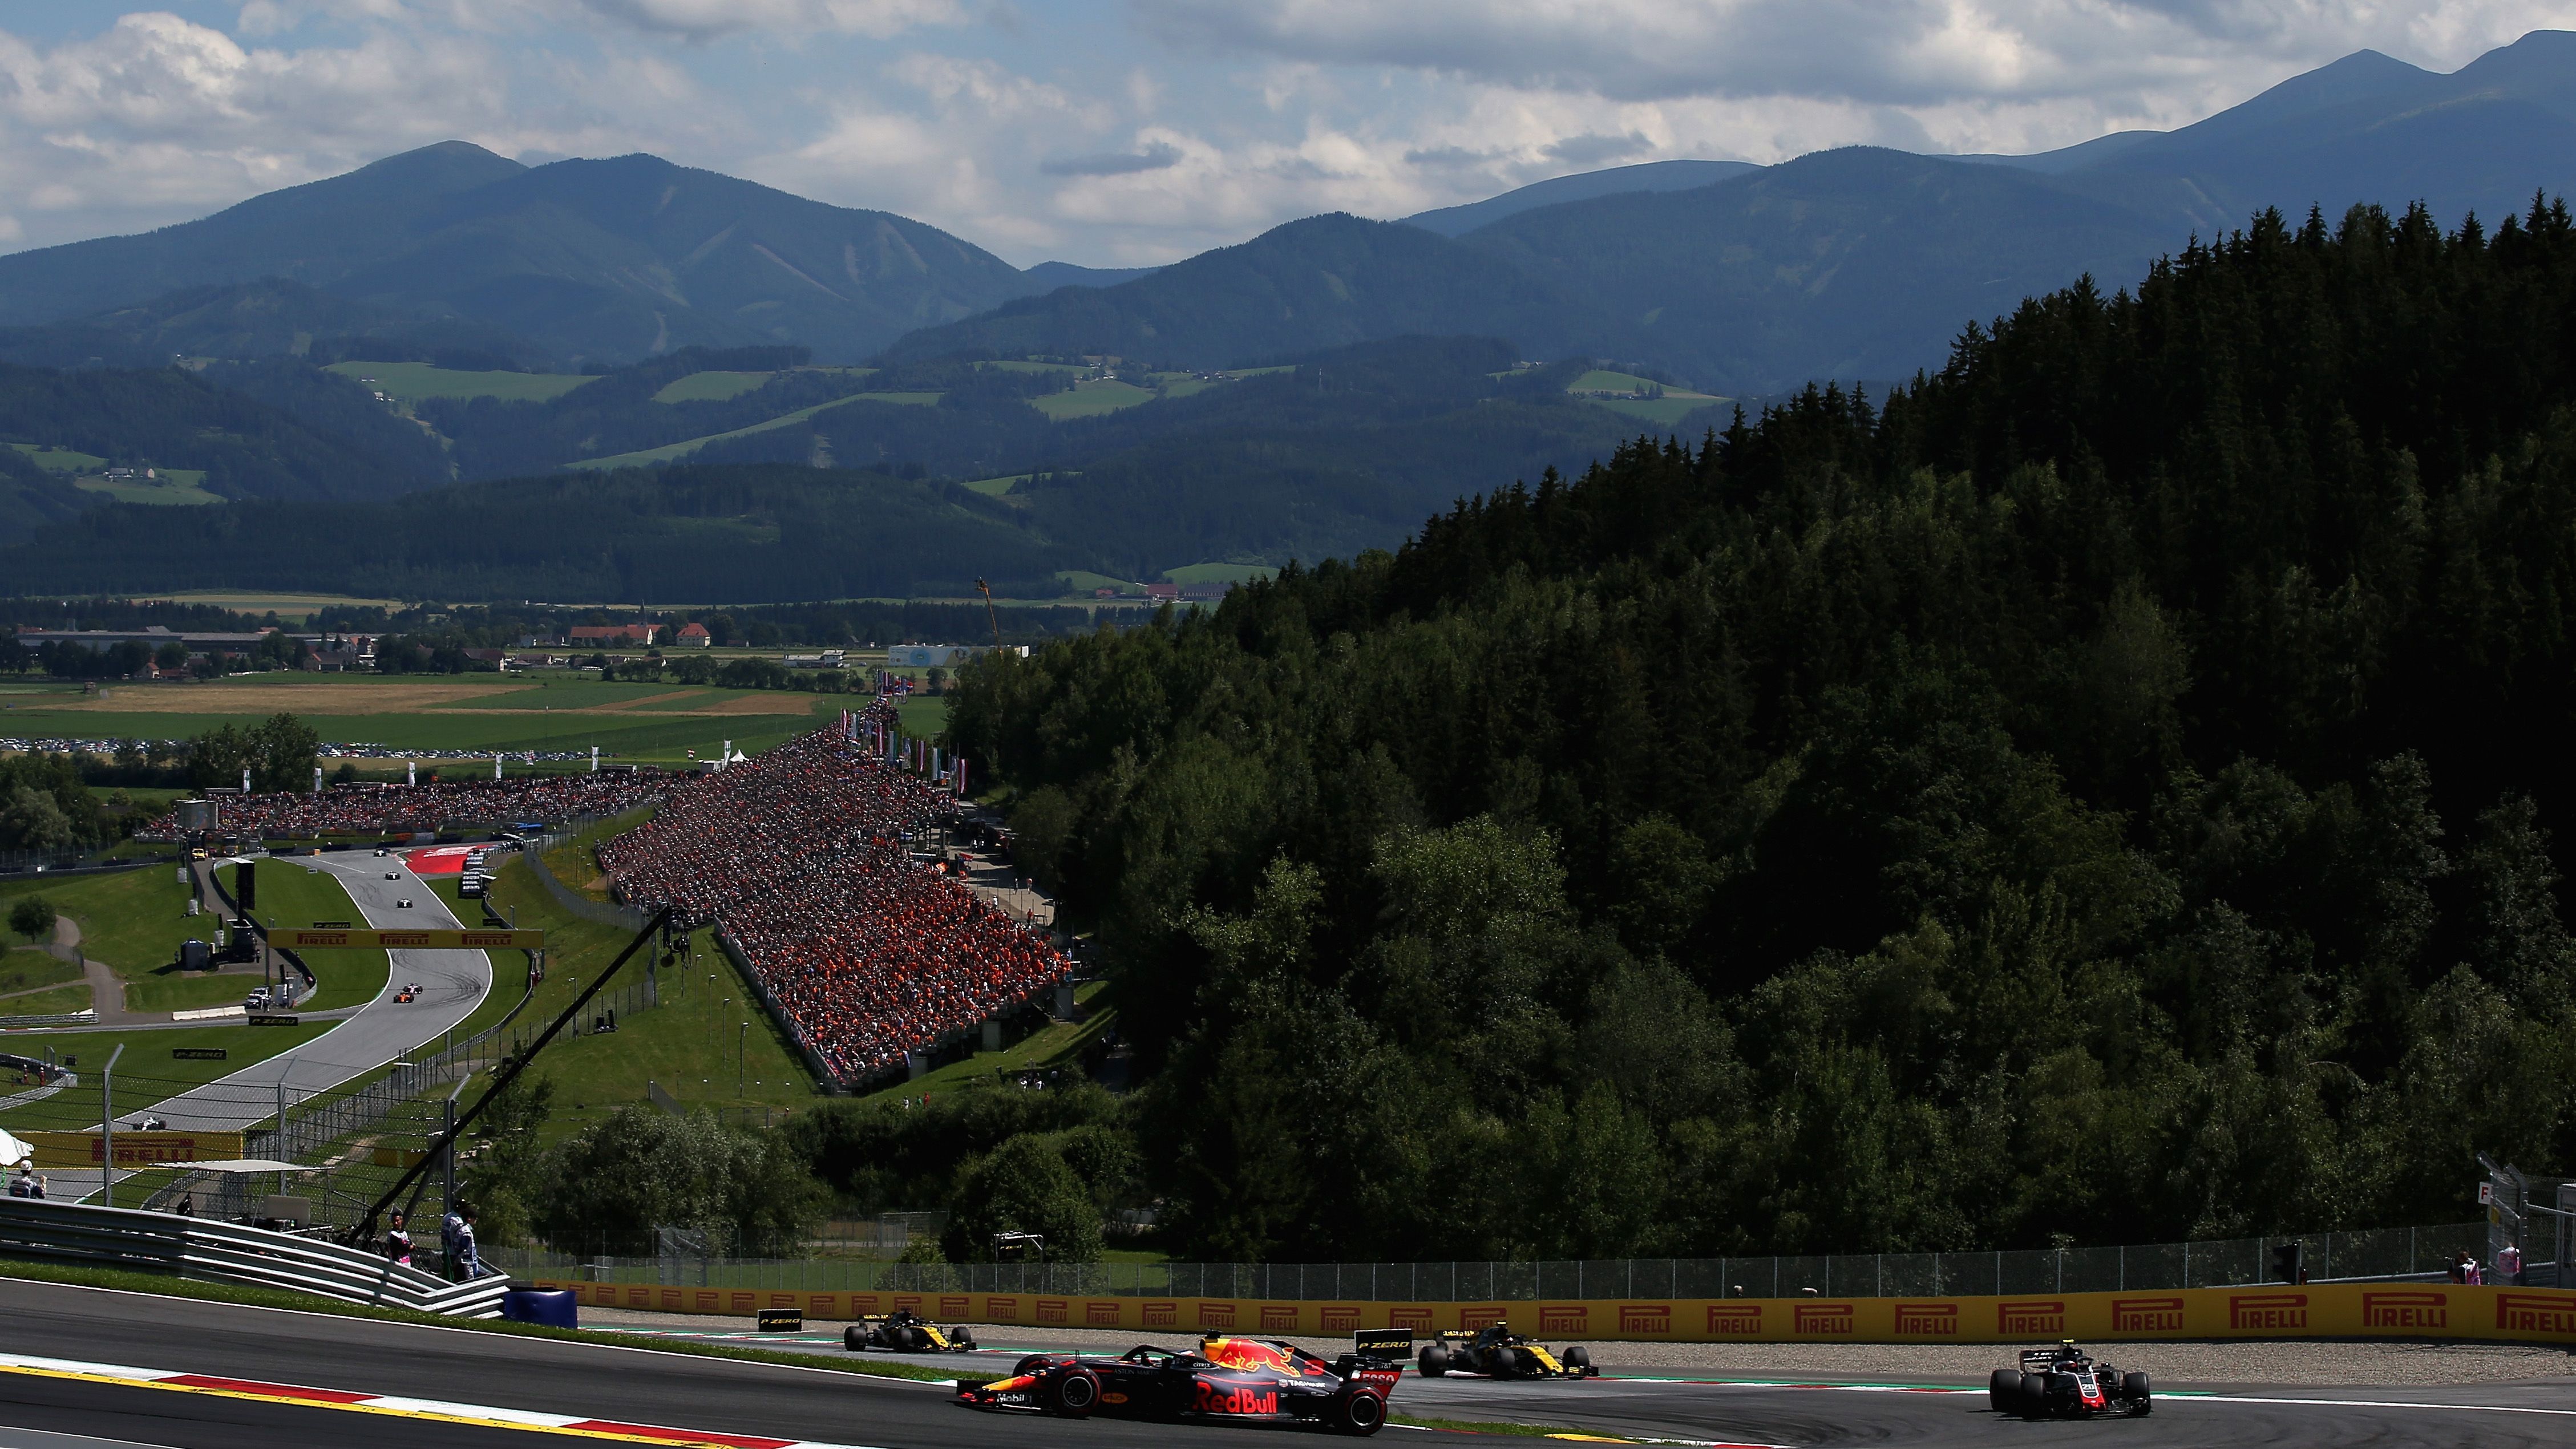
pixel 65 1232
pixel 83 1017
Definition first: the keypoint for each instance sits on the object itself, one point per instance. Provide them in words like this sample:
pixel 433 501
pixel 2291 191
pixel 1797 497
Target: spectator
pixel 24 1184
pixel 398 1241
pixel 2460 1266
pixel 2509 1264
pixel 449 1224
pixel 187 1204
pixel 469 1259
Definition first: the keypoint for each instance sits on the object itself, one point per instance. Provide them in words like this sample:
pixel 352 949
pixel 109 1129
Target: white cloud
pixel 706 19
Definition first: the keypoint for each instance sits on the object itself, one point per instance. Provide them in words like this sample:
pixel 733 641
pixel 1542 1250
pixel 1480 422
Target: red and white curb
pixel 439 1410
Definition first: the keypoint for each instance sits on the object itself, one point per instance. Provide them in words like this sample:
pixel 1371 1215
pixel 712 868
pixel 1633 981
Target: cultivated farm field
pixel 413 381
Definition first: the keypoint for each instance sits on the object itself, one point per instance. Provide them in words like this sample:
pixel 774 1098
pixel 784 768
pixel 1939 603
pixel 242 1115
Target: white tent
pixel 13 1151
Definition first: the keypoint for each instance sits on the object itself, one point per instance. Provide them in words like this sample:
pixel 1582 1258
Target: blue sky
pixel 1120 132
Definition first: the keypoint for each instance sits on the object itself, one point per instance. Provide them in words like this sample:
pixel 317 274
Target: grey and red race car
pixel 2065 1382
pixel 1226 1380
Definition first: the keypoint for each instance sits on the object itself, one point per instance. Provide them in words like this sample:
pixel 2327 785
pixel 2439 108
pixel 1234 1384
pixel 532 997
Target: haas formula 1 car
pixel 1498 1353
pixel 2066 1383
pixel 904 1331
pixel 1238 1380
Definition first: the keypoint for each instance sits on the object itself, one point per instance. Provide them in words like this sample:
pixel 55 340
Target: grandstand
pixel 376 810
pixel 802 859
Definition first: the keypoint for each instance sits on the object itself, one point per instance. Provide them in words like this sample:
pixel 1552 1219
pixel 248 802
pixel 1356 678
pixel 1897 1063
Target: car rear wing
pixel 2038 1358
pixel 1394 1343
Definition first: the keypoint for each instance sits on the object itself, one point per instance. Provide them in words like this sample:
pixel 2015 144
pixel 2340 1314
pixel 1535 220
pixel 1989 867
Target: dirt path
pixel 106 989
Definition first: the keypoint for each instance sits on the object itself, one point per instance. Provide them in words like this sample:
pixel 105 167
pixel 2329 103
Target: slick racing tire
pixel 2043 1393
pixel 911 1340
pixel 2003 1391
pixel 961 1342
pixel 2133 1387
pixel 1433 1360
pixel 1029 1365
pixel 1073 1393
pixel 1359 1413
pixel 854 1339
pixel 1578 1362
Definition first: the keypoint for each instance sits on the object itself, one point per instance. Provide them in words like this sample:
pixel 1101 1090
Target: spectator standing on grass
pixel 2509 1264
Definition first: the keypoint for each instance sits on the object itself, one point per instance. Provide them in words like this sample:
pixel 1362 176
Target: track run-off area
pixel 92 1366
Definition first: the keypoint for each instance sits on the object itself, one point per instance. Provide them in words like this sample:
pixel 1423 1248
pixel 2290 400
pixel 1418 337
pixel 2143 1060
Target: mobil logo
pixel 1654 1318
pixel 2553 1313
pixel 1215 1313
pixel 1481 1315
pixel 2146 1315
pixel 1417 1319
pixel 998 1310
pixel 2266 1312
pixel 1279 1318
pixel 1162 1315
pixel 1054 1310
pixel 1734 1320
pixel 2038 1315
pixel 1564 1318
pixel 2425 1308
pixel 1341 1318
pixel 1827 1318
pixel 1224 1398
pixel 1929 1320
pixel 1100 1313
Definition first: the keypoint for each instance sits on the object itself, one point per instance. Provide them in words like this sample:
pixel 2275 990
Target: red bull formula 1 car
pixel 2065 1382
pixel 1227 1380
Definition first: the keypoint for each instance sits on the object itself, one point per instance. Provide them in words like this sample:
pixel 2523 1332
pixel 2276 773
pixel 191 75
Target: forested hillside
pixel 2105 789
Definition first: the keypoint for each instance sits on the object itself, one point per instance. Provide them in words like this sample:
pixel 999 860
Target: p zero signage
pixel 1927 1320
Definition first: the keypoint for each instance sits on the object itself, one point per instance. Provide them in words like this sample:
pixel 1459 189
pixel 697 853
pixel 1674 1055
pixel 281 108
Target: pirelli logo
pixel 867 1302
pixel 819 1305
pixel 639 1297
pixel 742 1302
pixel 2536 1312
pixel 1000 1310
pixel 1100 1314
pixel 1054 1310
pixel 1821 1318
pixel 1341 1318
pixel 1929 1320
pixel 2427 1309
pixel 1482 1315
pixel 706 1301
pixel 1731 1320
pixel 1417 1319
pixel 1279 1318
pixel 1564 1318
pixel 2038 1315
pixel 1162 1315
pixel 1213 1314
pixel 907 1302
pixel 953 1306
pixel 2146 1315
pixel 2266 1312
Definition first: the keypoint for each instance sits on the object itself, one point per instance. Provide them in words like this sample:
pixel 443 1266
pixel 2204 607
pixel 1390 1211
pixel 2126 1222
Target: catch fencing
pixel 2372 1255
pixel 598 913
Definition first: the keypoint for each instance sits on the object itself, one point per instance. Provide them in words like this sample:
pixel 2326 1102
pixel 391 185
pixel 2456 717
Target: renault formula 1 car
pixel 1498 1353
pixel 904 1331
pixel 1226 1380
pixel 2065 1382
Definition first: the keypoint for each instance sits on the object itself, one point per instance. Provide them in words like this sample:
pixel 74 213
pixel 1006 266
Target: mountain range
pixel 1748 280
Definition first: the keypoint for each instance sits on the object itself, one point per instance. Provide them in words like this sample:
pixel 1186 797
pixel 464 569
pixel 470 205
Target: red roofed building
pixel 615 633
pixel 694 635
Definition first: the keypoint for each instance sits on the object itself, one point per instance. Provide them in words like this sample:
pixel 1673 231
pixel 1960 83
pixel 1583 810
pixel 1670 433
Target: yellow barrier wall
pixel 2326 1310
pixel 72 1151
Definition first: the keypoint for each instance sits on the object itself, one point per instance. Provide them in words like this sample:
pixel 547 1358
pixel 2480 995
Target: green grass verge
pixel 294 894
pixel 133 919
pixel 1091 400
pixel 24 969
pixel 643 456
pixel 48 1003
pixel 172 990
pixel 1054 1045
pixel 649 738
pixel 172 1287
pixel 60 460
pixel 146 1074
pixel 1219 573
pixel 924 716
pixel 412 381
pixel 710 386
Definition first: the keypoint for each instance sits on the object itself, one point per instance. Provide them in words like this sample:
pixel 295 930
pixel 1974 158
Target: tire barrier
pixel 2315 1310
pixel 64 1232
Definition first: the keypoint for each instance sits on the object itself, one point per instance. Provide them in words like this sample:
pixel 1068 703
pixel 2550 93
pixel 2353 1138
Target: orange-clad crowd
pixel 803 857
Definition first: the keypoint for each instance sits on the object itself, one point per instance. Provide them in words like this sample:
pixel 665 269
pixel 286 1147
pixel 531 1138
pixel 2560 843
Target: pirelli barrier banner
pixel 2325 1310
pixel 319 938
pixel 71 1151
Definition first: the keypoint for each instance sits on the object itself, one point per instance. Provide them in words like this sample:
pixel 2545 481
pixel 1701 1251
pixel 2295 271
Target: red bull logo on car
pixel 1214 1400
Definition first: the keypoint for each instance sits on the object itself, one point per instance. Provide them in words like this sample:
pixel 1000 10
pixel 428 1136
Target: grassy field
pixel 710 386
pixel 146 1074
pixel 996 487
pixel 293 608
pixel 1019 366
pixel 1091 400
pixel 299 895
pixel 60 1001
pixel 468 712
pixel 1055 1045
pixel 133 920
pixel 24 968
pixel 688 1044
pixel 1082 581
pixel 412 381
pixel 923 716
pixel 1219 573
pixel 668 451
pixel 1661 411
pixel 175 488
pixel 60 460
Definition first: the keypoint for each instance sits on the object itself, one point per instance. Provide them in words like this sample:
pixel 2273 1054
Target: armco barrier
pixel 2317 1310
pixel 65 1232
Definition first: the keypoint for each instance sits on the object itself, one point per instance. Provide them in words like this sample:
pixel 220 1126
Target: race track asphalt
pixel 452 984
pixel 721 1396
